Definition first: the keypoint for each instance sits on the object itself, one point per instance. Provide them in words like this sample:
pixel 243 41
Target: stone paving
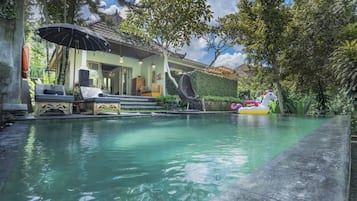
pixel 316 168
pixel 11 138
pixel 353 186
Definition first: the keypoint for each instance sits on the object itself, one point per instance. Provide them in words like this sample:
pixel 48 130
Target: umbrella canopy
pixel 73 36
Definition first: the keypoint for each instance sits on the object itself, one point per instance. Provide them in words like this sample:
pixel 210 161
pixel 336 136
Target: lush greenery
pixel 171 23
pixel 68 11
pixel 210 85
pixel 305 50
pixel 173 102
pixel 300 48
pixel 7 9
pixel 202 84
pixel 260 27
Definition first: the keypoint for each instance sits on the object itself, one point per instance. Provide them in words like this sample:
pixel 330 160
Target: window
pixel 94 75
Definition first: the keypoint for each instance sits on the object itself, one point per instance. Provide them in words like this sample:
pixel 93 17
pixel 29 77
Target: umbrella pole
pixel 74 69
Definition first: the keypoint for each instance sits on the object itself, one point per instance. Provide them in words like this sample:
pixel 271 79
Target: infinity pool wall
pixel 316 168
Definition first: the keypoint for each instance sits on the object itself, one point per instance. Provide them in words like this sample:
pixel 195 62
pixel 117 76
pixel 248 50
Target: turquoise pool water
pixel 147 158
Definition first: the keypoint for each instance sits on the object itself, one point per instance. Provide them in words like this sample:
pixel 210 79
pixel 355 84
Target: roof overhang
pixel 136 47
pixel 186 64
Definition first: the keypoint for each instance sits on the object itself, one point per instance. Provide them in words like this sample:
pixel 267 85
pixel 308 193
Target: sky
pixel 197 50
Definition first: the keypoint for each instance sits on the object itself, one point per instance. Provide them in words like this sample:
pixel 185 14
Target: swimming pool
pixel 147 158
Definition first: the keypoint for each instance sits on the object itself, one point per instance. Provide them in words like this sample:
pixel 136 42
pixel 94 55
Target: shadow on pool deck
pixel 316 168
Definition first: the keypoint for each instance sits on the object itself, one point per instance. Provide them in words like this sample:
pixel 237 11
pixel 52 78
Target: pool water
pixel 147 158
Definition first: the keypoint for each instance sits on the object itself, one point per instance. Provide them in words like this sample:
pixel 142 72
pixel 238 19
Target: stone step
pixel 137 98
pixel 141 107
pixel 137 103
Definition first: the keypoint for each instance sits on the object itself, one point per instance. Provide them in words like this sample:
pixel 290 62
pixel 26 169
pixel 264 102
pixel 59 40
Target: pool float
pixel 259 107
pixel 236 106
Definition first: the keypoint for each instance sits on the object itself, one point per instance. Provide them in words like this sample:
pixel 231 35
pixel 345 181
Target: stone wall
pixel 11 41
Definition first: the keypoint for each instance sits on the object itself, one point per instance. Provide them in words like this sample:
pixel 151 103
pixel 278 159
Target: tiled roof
pixel 116 37
pixel 223 71
pixel 122 38
pixel 243 70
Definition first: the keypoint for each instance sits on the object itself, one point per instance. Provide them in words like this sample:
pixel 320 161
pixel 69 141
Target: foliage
pixel 344 66
pixel 168 102
pixel 7 9
pixel 349 32
pixel 253 85
pixel 55 12
pixel 73 92
pixel 202 84
pixel 210 85
pixel 223 99
pixel 32 84
pixel 261 27
pixel 295 102
pixel 37 60
pixel 170 22
pixel 217 40
pixel 312 35
pixel 340 104
pixel 170 87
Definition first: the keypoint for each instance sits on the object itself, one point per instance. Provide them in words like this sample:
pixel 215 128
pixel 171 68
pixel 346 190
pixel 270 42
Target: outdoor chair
pixel 187 93
pixel 52 98
pixel 99 102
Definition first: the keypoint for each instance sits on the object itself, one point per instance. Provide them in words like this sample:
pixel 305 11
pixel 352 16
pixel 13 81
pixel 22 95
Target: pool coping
pixel 11 138
pixel 31 117
pixel 303 172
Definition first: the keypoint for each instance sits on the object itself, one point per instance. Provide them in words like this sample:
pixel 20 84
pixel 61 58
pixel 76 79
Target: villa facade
pixel 131 66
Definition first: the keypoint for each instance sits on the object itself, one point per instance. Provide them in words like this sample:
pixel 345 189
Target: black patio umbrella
pixel 73 36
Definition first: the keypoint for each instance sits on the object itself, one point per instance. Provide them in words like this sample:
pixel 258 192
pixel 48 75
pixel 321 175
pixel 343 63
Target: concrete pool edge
pixel 11 138
pixel 303 172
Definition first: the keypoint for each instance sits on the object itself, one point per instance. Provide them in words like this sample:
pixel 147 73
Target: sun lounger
pixel 52 98
pixel 99 102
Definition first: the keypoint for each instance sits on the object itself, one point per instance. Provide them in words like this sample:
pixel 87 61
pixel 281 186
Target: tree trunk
pixel 167 68
pixel 280 97
pixel 62 71
pixel 321 99
pixel 276 78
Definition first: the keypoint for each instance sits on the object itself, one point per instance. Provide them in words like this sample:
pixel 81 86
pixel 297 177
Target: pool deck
pixel 113 115
pixel 316 168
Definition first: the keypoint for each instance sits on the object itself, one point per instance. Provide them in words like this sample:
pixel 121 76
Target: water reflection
pixel 176 158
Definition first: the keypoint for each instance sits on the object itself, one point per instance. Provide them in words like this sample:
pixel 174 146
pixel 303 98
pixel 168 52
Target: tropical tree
pixel 344 65
pixel 171 23
pixel 260 26
pixel 68 11
pixel 313 35
pixel 217 41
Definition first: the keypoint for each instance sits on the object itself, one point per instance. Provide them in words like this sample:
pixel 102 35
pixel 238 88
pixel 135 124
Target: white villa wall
pixel 143 70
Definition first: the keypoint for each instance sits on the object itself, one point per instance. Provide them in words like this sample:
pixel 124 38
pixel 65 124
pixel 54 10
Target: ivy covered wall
pixel 206 84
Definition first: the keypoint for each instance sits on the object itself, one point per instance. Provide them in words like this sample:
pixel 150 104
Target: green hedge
pixel 206 84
